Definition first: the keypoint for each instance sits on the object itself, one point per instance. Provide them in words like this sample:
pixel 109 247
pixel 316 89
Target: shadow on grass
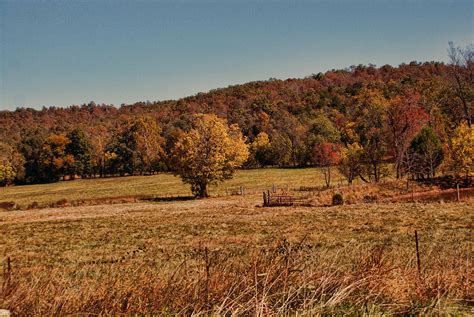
pixel 171 198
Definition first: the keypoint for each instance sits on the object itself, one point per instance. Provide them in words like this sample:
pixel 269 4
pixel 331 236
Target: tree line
pixel 417 116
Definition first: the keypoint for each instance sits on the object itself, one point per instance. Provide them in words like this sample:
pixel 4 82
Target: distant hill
pixel 251 105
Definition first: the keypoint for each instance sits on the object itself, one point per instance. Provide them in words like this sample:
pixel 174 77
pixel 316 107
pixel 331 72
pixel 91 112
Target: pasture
pixel 161 185
pixel 228 255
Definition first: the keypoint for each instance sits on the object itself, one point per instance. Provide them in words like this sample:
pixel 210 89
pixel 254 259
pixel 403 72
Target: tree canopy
pixel 208 153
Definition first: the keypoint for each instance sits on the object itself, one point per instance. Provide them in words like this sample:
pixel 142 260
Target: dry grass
pixel 389 191
pixel 227 256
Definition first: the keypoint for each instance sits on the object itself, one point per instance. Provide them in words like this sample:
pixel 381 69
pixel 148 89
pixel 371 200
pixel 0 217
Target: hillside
pixel 367 114
pixel 244 104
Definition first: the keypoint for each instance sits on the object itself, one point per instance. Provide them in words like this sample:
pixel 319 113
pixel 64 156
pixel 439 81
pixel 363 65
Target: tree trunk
pixel 203 190
pixel 376 174
pixel 328 176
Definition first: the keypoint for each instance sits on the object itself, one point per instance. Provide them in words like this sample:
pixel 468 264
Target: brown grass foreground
pixel 228 256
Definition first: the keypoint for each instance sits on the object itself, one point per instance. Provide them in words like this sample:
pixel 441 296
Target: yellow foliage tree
pixel 350 164
pixel 10 156
pixel 7 174
pixel 148 142
pixel 209 153
pixel 460 160
pixel 54 159
pixel 259 150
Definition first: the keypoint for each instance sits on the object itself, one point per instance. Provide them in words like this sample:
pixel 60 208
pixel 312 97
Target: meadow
pixel 228 255
pixel 160 185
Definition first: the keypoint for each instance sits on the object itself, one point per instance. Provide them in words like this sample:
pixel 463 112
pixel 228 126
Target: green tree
pixel 30 147
pixel 80 149
pixel 209 153
pixel 424 155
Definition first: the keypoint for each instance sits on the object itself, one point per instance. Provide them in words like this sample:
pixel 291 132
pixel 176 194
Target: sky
pixel 60 53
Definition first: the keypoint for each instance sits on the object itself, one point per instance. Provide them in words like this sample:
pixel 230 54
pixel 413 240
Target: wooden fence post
pixel 417 253
pixel 457 190
pixel 207 263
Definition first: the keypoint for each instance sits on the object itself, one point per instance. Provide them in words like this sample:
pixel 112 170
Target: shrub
pixel 337 199
pixel 8 205
pixel 33 205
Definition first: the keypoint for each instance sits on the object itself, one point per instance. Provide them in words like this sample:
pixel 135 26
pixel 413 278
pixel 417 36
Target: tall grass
pixel 282 278
pixel 152 259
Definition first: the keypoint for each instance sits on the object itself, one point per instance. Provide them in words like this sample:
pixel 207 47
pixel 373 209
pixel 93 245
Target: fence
pixel 245 190
pixel 270 200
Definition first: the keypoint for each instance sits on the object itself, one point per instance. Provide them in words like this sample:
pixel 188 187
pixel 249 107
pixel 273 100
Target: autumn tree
pixel 370 128
pixel 435 98
pixel 259 150
pixel 350 163
pixel 321 128
pixel 404 120
pixel 280 151
pixel 460 158
pixel 462 78
pixel 293 134
pixel 209 153
pixel 10 156
pixel 148 143
pixel 54 159
pixel 138 147
pixel 7 174
pixel 326 155
pixel 99 137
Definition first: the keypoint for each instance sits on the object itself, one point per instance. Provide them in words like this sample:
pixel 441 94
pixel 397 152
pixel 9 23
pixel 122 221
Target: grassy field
pixel 156 185
pixel 227 255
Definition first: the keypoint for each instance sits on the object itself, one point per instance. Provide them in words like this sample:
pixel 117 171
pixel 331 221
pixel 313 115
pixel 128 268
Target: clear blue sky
pixel 58 53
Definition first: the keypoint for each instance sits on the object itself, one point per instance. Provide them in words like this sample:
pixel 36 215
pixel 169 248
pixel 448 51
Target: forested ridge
pixel 359 118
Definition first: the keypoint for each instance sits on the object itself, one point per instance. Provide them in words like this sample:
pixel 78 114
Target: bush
pixel 337 199
pixel 8 205
pixel 33 205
